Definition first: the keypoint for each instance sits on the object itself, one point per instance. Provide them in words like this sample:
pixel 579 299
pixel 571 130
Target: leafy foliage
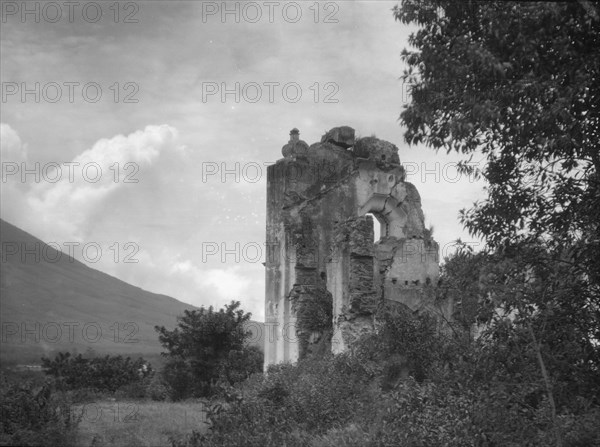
pixel 157 390
pixel 467 397
pixel 33 416
pixel 517 84
pixel 290 404
pixel 404 345
pixel 460 273
pixel 207 345
pixel 314 315
pixel 105 374
pixel 239 365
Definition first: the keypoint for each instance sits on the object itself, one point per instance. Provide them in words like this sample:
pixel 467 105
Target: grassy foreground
pixel 137 423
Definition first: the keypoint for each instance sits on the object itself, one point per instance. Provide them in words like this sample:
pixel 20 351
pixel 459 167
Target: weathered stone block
pixel 306 276
pixel 376 149
pixel 348 331
pixel 361 274
pixel 342 136
pixel 357 233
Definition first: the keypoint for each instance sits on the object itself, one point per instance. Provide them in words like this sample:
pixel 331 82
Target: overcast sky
pixel 137 92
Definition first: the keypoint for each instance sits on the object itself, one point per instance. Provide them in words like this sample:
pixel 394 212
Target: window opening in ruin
pixel 376 227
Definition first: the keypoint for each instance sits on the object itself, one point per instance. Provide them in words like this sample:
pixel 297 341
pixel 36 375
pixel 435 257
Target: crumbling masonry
pixel 325 275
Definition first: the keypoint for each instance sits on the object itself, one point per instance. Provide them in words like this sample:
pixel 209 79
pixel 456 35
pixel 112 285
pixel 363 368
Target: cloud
pixel 68 195
pixel 12 148
pixel 114 192
pixel 13 154
pixel 229 282
pixel 86 184
pixel 216 286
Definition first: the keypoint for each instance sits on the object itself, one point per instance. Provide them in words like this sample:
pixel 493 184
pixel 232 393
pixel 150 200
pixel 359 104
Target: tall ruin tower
pixel 325 274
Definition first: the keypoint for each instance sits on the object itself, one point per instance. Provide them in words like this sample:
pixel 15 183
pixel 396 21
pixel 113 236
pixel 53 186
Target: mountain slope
pixel 48 306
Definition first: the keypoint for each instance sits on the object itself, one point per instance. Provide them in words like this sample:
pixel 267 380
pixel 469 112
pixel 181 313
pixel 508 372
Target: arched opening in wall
pixel 376 227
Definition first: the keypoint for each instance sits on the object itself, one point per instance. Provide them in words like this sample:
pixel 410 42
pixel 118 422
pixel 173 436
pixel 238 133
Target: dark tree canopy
pixel 517 86
pixel 204 343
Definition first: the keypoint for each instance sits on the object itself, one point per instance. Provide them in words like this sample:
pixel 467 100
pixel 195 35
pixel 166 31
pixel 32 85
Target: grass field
pixel 137 423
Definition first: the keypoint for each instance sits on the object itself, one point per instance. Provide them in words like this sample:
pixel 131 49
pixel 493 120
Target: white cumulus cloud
pixel 12 148
pixel 67 196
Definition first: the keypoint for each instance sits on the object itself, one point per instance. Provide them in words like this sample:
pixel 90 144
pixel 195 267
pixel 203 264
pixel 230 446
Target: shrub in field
pixel 82 395
pixel 134 390
pixel 106 374
pixel 34 416
pixel 291 404
pixel 240 364
pixel 205 347
pixel 157 390
pixel 408 384
pixel 404 345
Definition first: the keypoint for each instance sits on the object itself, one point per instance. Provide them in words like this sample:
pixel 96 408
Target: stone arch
pixel 389 212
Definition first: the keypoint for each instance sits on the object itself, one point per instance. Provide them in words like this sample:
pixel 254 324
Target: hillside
pixel 49 306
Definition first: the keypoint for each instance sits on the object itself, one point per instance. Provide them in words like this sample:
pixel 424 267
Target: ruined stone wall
pixel 325 276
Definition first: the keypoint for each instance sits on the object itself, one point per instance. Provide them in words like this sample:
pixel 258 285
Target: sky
pixel 135 136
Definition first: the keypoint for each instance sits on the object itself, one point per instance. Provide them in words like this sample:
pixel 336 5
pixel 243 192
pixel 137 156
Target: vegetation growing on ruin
pixel 314 319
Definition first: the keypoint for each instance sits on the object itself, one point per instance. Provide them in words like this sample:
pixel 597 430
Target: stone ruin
pixel 325 274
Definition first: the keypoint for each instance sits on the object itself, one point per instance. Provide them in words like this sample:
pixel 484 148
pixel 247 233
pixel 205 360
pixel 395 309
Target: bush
pixel 353 435
pixel 35 416
pixel 134 390
pixel 157 390
pixel 105 374
pixel 291 404
pixel 404 345
pixel 179 380
pixel 409 384
pixel 84 395
pixel 208 346
pixel 240 364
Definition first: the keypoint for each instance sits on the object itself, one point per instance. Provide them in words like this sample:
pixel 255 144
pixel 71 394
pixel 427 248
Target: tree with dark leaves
pixel 517 85
pixel 200 346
